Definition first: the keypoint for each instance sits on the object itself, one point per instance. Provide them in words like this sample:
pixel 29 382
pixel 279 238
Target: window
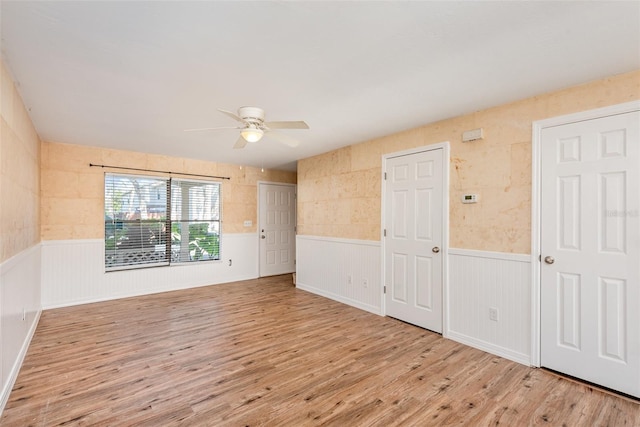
pixel 152 221
pixel 195 219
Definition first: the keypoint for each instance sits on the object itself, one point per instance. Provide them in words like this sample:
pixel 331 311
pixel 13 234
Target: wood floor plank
pixel 262 353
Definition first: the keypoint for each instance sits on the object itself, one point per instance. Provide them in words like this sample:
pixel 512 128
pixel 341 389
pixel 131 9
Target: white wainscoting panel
pixel 480 280
pixel 324 266
pixel 19 313
pixel 73 271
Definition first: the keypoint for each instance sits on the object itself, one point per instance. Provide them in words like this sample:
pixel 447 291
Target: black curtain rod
pixel 151 170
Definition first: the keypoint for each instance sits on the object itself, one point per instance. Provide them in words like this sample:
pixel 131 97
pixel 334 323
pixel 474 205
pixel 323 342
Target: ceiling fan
pixel 253 127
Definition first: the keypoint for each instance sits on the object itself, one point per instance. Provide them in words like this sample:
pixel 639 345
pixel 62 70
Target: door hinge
pixel 384 289
pixel 384 232
pixel 385 176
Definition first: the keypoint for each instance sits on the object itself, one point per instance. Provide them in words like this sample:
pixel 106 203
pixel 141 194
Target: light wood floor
pixel 261 352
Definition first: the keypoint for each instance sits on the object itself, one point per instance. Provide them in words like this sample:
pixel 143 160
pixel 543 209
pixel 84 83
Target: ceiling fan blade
pixel 200 129
pixel 285 139
pixel 240 143
pixel 232 115
pixel 287 125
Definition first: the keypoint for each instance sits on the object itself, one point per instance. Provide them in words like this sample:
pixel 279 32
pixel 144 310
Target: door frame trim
pixel 295 216
pixel 536 165
pixel 446 160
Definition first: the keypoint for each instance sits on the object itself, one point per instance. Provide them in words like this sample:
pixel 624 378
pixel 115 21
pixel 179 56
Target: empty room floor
pixel 263 353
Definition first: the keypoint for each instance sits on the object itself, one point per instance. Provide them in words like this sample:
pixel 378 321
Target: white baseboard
pixel 339 298
pixel 71 303
pixel 17 364
pixel 490 348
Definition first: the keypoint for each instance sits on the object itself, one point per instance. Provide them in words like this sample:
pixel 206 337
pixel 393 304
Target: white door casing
pixel 589 269
pixel 415 241
pixel 276 228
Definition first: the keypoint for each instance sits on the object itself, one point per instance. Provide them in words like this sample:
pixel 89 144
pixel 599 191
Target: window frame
pixel 219 220
pixel 168 222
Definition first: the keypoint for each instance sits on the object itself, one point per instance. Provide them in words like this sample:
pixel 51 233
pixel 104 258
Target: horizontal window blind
pixel 153 221
pixel 135 221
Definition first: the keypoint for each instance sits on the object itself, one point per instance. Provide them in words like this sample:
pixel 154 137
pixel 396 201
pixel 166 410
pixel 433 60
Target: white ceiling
pixel 132 75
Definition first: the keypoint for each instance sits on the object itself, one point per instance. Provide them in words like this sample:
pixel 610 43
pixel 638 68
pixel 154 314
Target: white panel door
pixel 413 217
pixel 590 245
pixel 277 229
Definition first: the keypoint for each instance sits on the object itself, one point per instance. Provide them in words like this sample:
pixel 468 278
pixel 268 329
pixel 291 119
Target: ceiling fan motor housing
pixel 251 114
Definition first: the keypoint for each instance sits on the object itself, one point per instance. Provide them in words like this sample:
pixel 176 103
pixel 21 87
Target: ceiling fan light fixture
pixel 252 134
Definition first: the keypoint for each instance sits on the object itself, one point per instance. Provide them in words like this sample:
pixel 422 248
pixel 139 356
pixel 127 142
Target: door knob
pixel 549 259
pixel 263 237
pixel 435 250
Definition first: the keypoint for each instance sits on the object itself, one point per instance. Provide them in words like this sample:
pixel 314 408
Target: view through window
pixel 154 221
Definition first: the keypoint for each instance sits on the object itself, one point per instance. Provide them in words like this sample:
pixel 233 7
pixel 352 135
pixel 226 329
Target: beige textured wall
pixel 339 192
pixel 19 173
pixel 73 193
